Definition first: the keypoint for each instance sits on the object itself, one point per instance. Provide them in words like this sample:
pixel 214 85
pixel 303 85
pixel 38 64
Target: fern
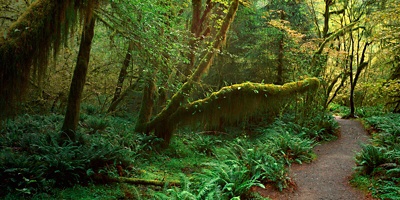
pixel 229 177
pixel 292 147
pixel 96 124
pixel 370 158
pixel 33 162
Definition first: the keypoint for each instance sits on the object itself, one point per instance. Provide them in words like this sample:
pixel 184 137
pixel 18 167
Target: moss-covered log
pixel 29 42
pixel 232 103
pixel 138 181
pixel 148 182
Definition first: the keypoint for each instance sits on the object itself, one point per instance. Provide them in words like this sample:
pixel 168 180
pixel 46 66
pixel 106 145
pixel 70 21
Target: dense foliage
pixel 33 162
pixel 228 84
pixel 378 165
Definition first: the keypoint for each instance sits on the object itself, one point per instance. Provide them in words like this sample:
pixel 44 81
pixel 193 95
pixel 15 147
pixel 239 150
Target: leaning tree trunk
pixel 160 123
pixel 130 88
pixel 361 66
pixel 232 103
pixel 78 80
pixel 318 53
pixel 122 74
pixel 343 77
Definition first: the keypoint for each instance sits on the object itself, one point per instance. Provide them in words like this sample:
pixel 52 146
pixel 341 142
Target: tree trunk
pixel 123 73
pixel 317 54
pixel 352 85
pixel 114 104
pixel 328 4
pixel 160 122
pixel 197 30
pixel 146 109
pixel 343 77
pixel 78 81
pixel 361 66
pixel 279 79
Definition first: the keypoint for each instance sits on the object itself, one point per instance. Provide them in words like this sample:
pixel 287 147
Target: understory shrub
pixel 185 191
pixel 338 109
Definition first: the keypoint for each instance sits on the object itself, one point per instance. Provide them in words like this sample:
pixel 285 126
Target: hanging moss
pixel 231 103
pixel 29 42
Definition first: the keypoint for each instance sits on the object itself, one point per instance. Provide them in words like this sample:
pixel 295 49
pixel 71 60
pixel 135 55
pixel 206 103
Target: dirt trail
pixel 327 178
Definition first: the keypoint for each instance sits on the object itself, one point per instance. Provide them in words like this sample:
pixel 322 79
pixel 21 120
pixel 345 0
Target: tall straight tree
pixel 79 77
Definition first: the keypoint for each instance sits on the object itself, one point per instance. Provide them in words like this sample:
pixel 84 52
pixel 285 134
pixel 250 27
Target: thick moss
pixel 28 44
pixel 231 103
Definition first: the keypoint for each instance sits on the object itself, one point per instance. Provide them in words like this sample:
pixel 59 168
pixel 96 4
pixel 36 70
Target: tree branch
pixel 232 103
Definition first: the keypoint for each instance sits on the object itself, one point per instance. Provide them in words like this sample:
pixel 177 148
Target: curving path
pixel 327 178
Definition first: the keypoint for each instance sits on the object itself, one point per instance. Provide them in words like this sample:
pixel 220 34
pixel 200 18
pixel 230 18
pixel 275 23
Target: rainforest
pixel 200 99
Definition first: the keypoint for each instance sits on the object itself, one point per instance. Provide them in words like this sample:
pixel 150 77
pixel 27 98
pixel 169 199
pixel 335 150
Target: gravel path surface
pixel 327 178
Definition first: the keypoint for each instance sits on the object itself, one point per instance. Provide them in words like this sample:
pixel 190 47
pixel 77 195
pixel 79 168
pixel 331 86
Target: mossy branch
pixel 138 181
pixel 334 35
pixel 148 182
pixel 232 103
pixel 321 47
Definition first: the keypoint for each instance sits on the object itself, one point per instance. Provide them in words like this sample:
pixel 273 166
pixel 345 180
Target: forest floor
pixel 327 177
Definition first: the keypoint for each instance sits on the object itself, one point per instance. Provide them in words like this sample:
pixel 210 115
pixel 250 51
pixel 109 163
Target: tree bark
pixel 361 66
pixel 279 79
pixel 352 86
pixel 328 4
pixel 146 109
pixel 197 29
pixel 321 47
pixel 78 81
pixel 123 72
pixel 114 104
pixel 343 77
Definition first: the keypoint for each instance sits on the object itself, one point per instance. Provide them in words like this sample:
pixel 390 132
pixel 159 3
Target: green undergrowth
pixel 33 160
pixel 363 112
pixel 378 164
pixel 34 163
